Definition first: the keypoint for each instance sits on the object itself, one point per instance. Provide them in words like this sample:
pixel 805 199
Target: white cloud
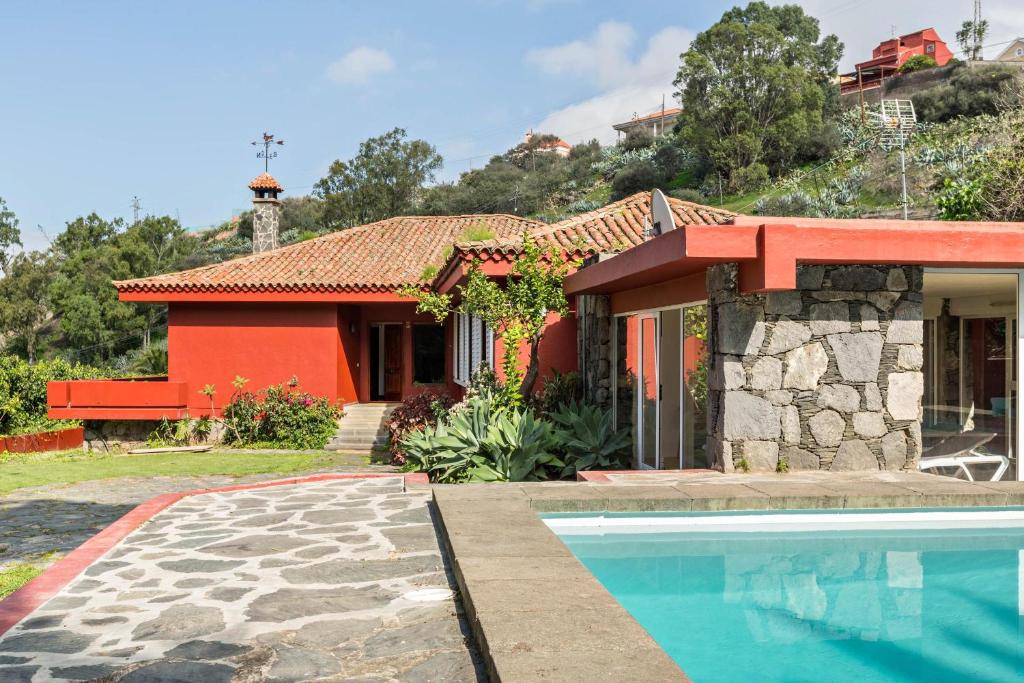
pixel 360 66
pixel 628 85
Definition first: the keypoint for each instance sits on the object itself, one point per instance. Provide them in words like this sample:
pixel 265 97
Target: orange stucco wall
pixel 557 350
pixel 266 343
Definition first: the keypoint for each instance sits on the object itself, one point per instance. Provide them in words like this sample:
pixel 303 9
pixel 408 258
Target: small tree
pixel 516 309
pixel 971 36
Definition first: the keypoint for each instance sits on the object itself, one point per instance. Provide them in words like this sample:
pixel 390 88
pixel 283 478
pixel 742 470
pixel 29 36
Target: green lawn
pixel 16 575
pixel 37 469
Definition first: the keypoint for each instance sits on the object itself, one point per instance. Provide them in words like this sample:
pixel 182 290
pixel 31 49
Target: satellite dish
pixel 661 213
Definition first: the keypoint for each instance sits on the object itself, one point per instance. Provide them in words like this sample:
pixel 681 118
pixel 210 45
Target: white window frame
pixel 467 355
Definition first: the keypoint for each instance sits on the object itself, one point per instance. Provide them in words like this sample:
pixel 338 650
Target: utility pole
pixel 977 47
pixel 136 208
pixel 662 113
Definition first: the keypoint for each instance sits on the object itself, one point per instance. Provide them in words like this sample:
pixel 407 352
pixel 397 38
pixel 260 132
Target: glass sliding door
pixel 649 392
pixel 670 379
pixel 971 359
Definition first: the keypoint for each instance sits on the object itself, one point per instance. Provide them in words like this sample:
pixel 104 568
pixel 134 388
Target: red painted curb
pixel 26 599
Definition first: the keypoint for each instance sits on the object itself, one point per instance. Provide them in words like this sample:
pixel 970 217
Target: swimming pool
pixel 890 595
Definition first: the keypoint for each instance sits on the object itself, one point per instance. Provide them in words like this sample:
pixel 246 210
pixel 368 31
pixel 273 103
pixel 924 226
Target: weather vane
pixel 266 154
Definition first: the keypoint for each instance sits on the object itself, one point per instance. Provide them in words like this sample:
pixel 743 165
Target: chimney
pixel 266 212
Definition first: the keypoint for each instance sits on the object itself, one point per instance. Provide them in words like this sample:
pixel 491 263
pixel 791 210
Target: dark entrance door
pixel 392 362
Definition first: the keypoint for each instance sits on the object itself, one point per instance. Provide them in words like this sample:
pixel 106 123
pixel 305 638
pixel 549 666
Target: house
pixel 555 145
pixel 828 344
pixel 890 55
pixel 328 312
pixel 721 341
pixel 656 123
pixel 1014 52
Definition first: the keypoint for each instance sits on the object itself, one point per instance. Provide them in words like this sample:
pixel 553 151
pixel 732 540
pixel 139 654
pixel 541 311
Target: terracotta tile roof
pixel 612 228
pixel 265 181
pixel 377 257
pixel 674 111
pixel 551 144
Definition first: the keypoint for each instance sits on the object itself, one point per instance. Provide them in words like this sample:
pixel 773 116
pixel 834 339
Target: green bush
pixel 588 439
pixel 483 442
pixel 486 442
pixel 638 176
pixel 23 391
pixel 689 194
pixel 280 416
pixel 918 63
pixel 415 413
pixel 970 91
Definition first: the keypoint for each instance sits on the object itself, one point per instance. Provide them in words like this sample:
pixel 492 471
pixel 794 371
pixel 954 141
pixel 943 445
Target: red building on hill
pixel 890 55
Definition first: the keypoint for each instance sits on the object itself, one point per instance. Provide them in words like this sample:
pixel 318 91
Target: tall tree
pixel 381 181
pixel 24 305
pixel 755 88
pixel 971 38
pixel 10 236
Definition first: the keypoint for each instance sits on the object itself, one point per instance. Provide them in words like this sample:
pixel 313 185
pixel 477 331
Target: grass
pixel 39 469
pixel 14 576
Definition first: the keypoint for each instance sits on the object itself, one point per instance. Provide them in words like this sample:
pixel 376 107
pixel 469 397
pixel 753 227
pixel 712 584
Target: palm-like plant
pixel 589 439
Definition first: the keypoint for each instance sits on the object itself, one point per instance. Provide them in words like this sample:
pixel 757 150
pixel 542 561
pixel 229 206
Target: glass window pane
pixel 695 375
pixel 649 390
pixel 428 354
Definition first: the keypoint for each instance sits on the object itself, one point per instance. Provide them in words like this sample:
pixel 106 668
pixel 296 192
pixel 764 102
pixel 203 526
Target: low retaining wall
pixel 56 440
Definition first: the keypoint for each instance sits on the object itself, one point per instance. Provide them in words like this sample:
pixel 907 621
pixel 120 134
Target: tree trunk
pixel 532 370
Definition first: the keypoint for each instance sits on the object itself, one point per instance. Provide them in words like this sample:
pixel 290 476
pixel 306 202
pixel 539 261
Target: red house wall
pixel 266 343
pixel 557 349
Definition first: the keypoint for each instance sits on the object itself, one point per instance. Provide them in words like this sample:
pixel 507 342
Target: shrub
pixel 152 360
pixel 918 63
pixel 638 138
pixel 970 91
pixel 688 194
pixel 23 391
pixel 483 442
pixel 638 176
pixel 280 416
pixel 559 389
pixel 749 178
pixel 588 439
pixel 415 413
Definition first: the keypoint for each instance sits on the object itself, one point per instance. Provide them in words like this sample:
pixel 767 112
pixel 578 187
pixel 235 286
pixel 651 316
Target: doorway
pixel 660 386
pixel 386 362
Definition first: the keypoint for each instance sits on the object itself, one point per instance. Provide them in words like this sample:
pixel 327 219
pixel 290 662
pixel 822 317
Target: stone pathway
pixel 286 583
pixel 60 517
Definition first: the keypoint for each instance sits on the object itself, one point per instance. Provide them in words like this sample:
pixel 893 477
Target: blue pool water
pixel 915 604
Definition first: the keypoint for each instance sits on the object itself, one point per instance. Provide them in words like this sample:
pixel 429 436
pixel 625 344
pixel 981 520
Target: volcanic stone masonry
pixel 827 376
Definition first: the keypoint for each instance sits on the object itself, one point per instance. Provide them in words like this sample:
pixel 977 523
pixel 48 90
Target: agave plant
pixel 589 439
pixel 521 448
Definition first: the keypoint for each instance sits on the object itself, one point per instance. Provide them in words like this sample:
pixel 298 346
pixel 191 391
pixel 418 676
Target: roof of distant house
pixel 265 181
pixel 378 257
pixel 557 142
pixel 668 113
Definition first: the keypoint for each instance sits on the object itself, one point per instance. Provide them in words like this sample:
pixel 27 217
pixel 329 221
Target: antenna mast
pixel 977 47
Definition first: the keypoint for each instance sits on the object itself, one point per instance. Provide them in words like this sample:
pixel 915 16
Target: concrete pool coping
pixel 538 614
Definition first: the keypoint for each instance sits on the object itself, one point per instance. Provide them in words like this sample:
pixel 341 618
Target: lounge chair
pixel 961 451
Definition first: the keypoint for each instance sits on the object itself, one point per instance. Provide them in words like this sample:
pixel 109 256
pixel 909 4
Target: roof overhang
pixel 341 297
pixel 769 249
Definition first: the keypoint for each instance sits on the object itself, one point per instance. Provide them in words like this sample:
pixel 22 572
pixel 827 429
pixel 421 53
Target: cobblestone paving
pixel 60 517
pixel 288 583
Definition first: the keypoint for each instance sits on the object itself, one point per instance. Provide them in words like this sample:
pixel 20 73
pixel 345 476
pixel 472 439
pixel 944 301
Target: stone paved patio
pixel 287 583
pixel 43 519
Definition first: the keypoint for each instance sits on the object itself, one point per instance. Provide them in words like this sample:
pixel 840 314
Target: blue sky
pixel 101 101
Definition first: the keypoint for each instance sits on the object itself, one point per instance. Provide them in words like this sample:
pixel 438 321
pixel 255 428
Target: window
pixel 1020 51
pixel 474 345
pixel 428 354
pixel 930 48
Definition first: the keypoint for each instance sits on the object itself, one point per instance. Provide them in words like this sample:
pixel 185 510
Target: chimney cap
pixel 265 181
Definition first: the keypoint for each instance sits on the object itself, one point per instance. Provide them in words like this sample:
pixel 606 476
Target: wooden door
pixel 392 362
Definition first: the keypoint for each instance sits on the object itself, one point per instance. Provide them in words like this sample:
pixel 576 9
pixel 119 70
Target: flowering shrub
pixel 280 416
pixel 415 413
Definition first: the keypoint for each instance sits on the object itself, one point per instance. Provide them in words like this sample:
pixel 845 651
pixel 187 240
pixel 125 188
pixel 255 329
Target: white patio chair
pixel 961 451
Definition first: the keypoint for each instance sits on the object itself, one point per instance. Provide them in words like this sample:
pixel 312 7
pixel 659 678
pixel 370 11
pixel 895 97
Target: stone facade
pixel 266 222
pixel 824 377
pixel 594 335
pixel 120 436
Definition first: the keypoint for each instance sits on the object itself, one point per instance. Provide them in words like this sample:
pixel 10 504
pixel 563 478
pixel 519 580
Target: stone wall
pixel 825 377
pixel 121 436
pixel 594 334
pixel 266 220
